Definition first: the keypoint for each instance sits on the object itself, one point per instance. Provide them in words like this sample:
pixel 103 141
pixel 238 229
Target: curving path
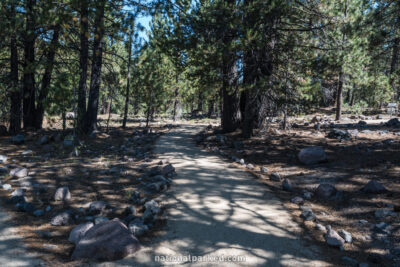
pixel 218 210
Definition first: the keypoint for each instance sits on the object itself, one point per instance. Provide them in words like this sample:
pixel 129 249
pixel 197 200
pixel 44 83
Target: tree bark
pixel 393 65
pixel 15 92
pixel 339 96
pixel 93 103
pixel 44 91
pixel 83 64
pixel 128 79
pixel 29 60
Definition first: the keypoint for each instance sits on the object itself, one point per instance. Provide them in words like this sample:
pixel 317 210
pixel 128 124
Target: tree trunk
pixel 393 65
pixel 128 80
pixel 93 103
pixel 200 102
pixel 339 96
pixel 44 91
pixel 83 64
pixel 15 94
pixel 29 61
pixel 210 108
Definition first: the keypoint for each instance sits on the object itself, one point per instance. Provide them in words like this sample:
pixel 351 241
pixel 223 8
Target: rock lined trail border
pixel 219 211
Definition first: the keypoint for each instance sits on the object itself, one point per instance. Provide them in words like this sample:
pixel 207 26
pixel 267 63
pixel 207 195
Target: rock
pixel 19 172
pixel 346 236
pixel 275 177
pixel 18 193
pixel 308 215
pixel 393 123
pixel 167 169
pixel 98 220
pixel 97 207
pixel 38 213
pixel 18 139
pixel 383 227
pixel 307 195
pixel 353 133
pixel 79 231
pixel 63 218
pixel 138 228
pixel 43 140
pixel 317 126
pixel 250 166
pixel 153 206
pixel 27 152
pixel 382 213
pixel 325 191
pixel 333 238
pixel 374 187
pixel 107 241
pixel 297 200
pixel 16 199
pixel 347 261
pixel 320 227
pixel 130 210
pixel 315 119
pixel 379 117
pixel 312 155
pixel 62 194
pixel 3 159
pixel 362 123
pixel 156 170
pixel 7 187
pixel 339 134
pixel 287 185
pixel 26 207
pixel 263 170
pixel 241 161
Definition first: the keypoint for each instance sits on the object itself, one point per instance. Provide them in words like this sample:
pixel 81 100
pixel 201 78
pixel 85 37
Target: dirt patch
pixel 372 155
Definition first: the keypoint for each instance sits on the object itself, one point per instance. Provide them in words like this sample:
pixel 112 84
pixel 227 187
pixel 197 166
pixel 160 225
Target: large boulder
pixel 107 241
pixel 62 194
pixel 325 191
pixel 79 231
pixel 374 187
pixel 312 155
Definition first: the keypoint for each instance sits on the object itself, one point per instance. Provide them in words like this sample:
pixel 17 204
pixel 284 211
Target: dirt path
pixel 12 251
pixel 218 210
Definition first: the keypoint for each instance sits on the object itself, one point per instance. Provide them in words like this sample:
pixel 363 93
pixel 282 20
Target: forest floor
pixel 374 154
pixel 209 190
pixel 107 168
